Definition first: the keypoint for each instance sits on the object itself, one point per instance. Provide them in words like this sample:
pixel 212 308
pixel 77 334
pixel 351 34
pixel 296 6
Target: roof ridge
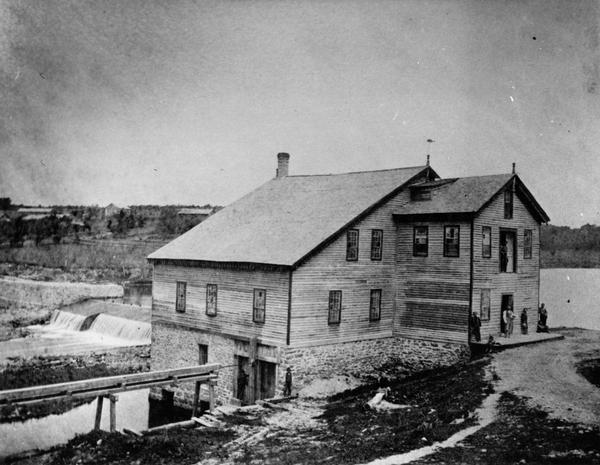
pixel 356 172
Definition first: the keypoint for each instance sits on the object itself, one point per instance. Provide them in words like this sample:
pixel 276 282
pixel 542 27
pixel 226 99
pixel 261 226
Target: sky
pixel 188 102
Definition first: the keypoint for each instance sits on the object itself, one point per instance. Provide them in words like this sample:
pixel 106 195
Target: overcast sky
pixel 138 102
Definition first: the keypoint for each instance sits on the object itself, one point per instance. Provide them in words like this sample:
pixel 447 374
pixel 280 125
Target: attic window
pixel 352 245
pixel 376 242
pixel 420 194
pixel 508 204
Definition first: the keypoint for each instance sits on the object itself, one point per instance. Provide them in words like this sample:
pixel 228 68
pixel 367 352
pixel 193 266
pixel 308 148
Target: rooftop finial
pixel 429 141
pixel 514 165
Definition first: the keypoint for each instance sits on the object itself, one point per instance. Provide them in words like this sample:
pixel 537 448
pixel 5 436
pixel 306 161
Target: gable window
pixel 352 245
pixel 420 241
pixel 507 251
pixel 376 244
pixel 528 243
pixel 508 204
pixel 486 242
pixel 375 305
pixel 335 307
pixel 211 299
pixel 260 301
pixel 451 241
pixel 484 313
pixel 180 296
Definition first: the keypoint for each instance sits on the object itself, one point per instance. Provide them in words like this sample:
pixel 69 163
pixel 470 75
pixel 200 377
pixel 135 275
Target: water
pixel 572 297
pixel 122 328
pixel 66 320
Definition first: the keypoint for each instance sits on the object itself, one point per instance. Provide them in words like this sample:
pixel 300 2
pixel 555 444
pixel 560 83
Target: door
pixel 266 380
pixel 241 380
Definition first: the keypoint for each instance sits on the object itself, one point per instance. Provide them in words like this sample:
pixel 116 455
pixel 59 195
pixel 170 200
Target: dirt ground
pixel 547 412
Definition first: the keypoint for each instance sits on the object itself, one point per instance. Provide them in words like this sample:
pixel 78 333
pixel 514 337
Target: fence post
pixel 98 412
pixel 196 398
pixel 113 412
pixel 211 396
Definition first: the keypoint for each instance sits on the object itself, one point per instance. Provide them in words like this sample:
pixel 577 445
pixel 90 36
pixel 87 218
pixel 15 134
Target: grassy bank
pixel 14 319
pixel 100 261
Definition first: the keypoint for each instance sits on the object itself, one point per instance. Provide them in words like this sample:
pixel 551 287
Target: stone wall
pixel 364 359
pixel 175 347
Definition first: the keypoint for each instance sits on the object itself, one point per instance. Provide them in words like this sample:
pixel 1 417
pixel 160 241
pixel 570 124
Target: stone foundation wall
pixel 176 347
pixel 364 359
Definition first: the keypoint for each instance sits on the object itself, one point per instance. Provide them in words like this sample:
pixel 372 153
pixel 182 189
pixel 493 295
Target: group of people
pixel 507 323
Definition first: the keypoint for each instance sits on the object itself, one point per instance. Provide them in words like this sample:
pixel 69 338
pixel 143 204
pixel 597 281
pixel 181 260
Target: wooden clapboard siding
pixel 524 284
pixel 432 297
pixel 234 300
pixel 328 270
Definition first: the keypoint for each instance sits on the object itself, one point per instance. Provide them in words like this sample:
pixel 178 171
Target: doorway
pixel 507 302
pixel 508 251
pixel 254 382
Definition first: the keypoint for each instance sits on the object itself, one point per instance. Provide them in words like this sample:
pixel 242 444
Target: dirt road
pixel 546 375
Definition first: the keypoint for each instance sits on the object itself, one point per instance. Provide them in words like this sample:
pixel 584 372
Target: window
pixel 202 354
pixel 335 307
pixel 211 299
pixel 507 252
pixel 376 244
pixel 260 300
pixel 451 241
pixel 375 305
pixel 352 245
pixel 528 243
pixel 484 313
pixel 180 297
pixel 420 241
pixel 486 242
pixel 508 204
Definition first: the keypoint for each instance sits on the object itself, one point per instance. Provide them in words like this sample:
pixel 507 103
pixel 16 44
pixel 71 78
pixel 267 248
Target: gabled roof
pixel 287 218
pixel 468 195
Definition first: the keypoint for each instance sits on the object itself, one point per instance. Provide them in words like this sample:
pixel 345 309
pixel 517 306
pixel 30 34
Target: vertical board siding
pixel 329 270
pixel 432 300
pixel 234 300
pixel 524 284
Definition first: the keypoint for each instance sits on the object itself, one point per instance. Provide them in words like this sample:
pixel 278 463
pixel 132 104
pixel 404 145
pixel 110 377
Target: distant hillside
pixel 564 247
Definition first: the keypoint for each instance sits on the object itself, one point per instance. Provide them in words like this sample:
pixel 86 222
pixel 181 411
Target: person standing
pixel 524 325
pixel 242 382
pixel 503 323
pixel 287 390
pixel 510 318
pixel 475 327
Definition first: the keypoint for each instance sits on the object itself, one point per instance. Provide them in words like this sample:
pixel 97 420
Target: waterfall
pixel 66 320
pixel 122 328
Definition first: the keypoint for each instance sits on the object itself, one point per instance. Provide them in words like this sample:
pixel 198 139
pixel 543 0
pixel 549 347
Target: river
pixel 572 296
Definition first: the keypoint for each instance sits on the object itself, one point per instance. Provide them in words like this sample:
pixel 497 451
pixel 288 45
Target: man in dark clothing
pixel 287 390
pixel 475 327
pixel 242 382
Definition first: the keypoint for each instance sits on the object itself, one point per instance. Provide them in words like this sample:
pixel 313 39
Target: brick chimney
pixel 283 162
